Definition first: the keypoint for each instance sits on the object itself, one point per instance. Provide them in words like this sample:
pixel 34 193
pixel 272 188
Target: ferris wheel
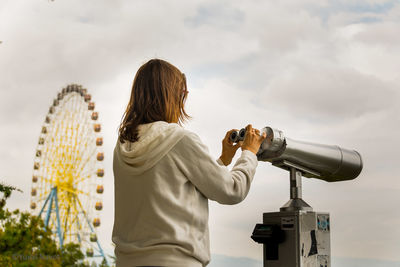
pixel 67 176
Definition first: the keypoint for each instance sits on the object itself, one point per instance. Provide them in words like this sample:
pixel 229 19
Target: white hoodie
pixel 162 186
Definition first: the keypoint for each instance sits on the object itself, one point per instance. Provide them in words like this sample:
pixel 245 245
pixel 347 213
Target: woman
pixel 164 175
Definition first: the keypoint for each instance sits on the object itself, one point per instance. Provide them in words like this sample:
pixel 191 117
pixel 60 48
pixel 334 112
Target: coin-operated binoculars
pixel 297 236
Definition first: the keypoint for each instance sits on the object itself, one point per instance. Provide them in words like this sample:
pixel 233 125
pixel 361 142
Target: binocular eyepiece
pixel 237 136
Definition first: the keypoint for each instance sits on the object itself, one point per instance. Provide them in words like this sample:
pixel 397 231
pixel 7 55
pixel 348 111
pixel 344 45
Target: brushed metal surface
pixel 330 163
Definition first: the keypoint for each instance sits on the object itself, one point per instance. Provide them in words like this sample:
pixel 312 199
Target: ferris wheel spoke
pixel 50 181
pixel 86 172
pixel 83 141
pixel 87 159
pixel 81 218
pixel 84 161
pixel 73 191
pixel 84 177
pixel 80 205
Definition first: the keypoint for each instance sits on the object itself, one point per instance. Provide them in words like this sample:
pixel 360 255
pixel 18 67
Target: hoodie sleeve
pixel 214 181
pixel 219 161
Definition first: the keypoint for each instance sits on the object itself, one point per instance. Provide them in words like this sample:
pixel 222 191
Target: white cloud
pixel 330 94
pixel 313 69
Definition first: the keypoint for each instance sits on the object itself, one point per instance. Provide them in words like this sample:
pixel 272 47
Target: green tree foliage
pixel 25 242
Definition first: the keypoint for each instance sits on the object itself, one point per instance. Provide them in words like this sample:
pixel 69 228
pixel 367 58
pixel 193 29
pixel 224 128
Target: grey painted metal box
pixel 306 241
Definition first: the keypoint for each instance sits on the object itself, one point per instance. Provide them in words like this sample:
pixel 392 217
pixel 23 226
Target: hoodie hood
pixel 155 140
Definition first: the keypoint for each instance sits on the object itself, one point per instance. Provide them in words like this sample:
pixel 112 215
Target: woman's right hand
pixel 252 139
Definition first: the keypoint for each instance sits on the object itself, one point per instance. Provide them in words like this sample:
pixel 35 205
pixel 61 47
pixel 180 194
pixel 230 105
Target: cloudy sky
pixel 321 71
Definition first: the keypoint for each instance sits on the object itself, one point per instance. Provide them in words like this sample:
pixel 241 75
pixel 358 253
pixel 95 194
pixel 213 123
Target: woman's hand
pixel 228 148
pixel 252 139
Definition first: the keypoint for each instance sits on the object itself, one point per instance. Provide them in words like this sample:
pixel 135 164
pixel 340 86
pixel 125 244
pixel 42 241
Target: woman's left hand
pixel 228 148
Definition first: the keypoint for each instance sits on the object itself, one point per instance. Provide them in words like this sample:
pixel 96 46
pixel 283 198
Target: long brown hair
pixel 159 93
